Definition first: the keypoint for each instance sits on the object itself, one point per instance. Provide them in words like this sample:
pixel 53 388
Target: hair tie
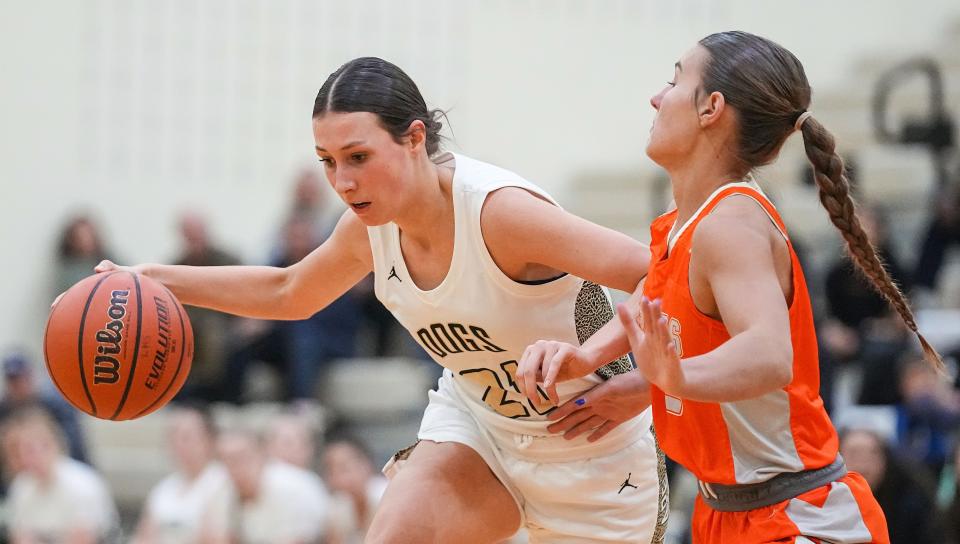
pixel 801 119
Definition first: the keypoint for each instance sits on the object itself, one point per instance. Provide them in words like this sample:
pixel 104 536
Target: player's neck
pixel 428 218
pixel 696 179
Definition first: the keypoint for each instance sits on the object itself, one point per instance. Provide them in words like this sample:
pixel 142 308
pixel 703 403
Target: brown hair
pixel 374 85
pixel 768 90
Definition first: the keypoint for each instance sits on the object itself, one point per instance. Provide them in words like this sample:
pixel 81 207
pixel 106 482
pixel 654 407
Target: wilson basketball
pixel 118 345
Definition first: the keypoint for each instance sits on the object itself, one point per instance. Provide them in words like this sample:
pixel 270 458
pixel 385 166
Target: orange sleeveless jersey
pixel 747 441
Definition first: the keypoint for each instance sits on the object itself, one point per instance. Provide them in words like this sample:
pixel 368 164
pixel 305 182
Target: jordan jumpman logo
pixel 393 274
pixel 626 483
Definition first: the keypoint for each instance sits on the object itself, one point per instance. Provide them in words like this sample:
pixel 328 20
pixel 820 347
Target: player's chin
pixel 653 149
pixel 370 217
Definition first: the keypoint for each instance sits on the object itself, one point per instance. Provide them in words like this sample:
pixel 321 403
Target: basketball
pixel 118 345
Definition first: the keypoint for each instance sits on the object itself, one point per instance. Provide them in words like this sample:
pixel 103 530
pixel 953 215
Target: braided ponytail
pixel 834 190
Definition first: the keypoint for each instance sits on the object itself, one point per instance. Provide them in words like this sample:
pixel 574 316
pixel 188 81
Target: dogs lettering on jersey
pixel 444 339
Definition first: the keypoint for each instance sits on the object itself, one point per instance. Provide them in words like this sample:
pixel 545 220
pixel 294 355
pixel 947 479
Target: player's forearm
pixel 251 291
pixel 747 366
pixel 607 344
pixel 611 342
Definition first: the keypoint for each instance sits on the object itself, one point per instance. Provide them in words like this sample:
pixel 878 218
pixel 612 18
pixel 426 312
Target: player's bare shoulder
pixel 506 202
pixel 510 211
pixel 736 221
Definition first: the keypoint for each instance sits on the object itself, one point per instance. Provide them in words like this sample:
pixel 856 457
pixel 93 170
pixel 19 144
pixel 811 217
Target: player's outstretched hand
pixel 601 409
pixel 104 266
pixel 652 345
pixel 110 266
pixel 549 362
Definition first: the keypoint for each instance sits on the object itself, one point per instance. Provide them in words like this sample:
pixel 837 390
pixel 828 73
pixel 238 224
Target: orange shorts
pixel 842 512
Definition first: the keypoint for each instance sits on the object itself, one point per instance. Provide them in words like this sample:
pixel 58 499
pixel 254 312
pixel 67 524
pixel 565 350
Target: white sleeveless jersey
pixel 478 321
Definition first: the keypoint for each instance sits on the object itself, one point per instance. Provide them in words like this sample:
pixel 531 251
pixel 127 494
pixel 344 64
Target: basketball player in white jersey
pixel 477 263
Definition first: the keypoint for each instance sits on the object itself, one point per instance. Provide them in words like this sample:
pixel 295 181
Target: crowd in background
pixel 273 485
pixel 905 440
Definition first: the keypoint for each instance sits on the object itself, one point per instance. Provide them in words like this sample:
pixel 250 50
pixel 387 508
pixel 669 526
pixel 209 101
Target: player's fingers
pixel 552 394
pixel 566 409
pixel 659 322
pixel 656 306
pixel 602 430
pixel 550 350
pixel 535 371
pixel 629 322
pixel 659 332
pixel 666 339
pixel 526 361
pixel 652 324
pixel 521 363
pixel 553 369
pixel 571 420
pixel 105 266
pixel 671 347
pixel 583 427
pixel 56 300
pixel 647 316
pixel 529 367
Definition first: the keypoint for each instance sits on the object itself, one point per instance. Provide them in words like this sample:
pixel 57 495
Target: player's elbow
pixel 781 364
pixel 290 302
pixel 298 313
pixel 633 270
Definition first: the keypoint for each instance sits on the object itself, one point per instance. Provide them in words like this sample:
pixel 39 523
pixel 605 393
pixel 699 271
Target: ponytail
pixel 834 190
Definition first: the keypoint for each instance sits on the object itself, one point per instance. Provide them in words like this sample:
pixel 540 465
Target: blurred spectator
pixel 213 331
pixel 198 248
pixel 859 325
pixel 21 390
pixel 357 488
pixel 905 493
pixel 309 203
pixel 301 349
pixel 54 499
pixel 928 415
pixel 887 341
pixel 175 507
pixel 11 467
pixel 268 501
pixel 79 250
pixel 290 439
pixel 943 232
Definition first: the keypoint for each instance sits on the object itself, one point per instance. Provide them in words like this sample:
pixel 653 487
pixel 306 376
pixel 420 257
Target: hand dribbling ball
pixel 118 345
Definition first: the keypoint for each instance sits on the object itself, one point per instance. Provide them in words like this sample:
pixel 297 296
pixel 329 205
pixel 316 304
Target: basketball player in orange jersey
pixel 724 330
pixel 477 263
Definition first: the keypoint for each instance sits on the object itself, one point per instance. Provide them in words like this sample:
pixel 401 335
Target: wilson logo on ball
pixel 106 368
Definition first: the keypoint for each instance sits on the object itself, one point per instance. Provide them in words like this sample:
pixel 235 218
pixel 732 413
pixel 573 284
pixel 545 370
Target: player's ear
pixel 711 108
pixel 416 134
